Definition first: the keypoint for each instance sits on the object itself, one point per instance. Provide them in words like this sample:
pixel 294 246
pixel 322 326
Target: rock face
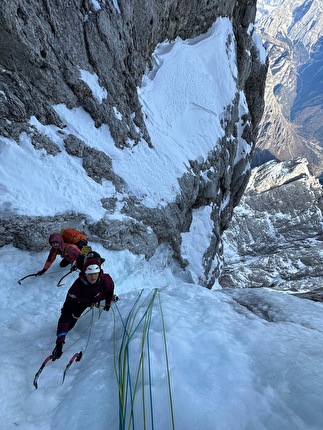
pixel 292 32
pixel 44 44
pixel 275 237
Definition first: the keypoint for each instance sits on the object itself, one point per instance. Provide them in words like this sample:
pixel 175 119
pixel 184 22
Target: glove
pixel 41 272
pixel 73 268
pixel 115 298
pixel 106 307
pixel 57 351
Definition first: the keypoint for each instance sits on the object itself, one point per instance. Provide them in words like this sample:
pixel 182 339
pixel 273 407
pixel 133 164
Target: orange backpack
pixel 70 235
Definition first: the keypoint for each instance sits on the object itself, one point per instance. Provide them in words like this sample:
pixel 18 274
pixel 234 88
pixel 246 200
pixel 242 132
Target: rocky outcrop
pixel 275 239
pixel 45 44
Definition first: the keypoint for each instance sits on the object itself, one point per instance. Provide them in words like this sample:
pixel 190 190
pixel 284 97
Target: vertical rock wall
pixel 43 46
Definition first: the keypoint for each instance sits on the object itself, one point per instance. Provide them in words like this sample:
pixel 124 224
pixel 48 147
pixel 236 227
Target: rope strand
pixel 131 374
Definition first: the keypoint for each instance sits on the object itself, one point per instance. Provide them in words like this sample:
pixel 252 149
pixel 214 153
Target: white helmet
pixel 92 268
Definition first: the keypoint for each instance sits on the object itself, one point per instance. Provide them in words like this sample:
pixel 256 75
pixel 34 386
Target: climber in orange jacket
pixel 68 251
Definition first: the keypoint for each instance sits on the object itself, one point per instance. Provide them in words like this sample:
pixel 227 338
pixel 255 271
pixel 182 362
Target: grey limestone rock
pixel 275 236
pixel 43 45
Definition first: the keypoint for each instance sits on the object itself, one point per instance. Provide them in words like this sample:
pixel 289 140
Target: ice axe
pixel 27 276
pixel 59 283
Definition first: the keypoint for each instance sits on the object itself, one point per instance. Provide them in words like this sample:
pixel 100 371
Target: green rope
pixel 141 364
pixel 123 381
pixel 131 374
pixel 124 366
pixel 167 364
pixel 121 366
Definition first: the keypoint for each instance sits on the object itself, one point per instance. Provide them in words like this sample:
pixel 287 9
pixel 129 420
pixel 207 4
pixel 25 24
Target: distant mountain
pixel 292 125
pixel 264 7
pixel 275 237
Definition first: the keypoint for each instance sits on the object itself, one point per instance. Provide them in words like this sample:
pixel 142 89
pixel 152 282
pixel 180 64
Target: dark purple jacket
pixel 80 296
pixel 84 292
